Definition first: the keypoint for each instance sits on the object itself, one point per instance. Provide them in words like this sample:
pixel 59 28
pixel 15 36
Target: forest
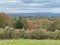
pixel 29 27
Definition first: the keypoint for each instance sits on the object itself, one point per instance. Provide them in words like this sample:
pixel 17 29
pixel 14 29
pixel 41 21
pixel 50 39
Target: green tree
pixel 19 24
pixel 52 27
pixel 44 23
pixel 58 23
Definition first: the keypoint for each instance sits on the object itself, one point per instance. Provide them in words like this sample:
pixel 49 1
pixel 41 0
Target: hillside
pixel 34 14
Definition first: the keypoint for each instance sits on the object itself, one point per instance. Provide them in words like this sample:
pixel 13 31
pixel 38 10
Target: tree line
pixel 34 27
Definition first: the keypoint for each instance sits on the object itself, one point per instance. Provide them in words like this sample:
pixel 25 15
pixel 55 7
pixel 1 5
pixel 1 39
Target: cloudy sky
pixel 29 6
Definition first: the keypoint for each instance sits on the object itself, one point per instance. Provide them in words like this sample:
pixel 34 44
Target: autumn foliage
pixel 5 20
pixel 30 24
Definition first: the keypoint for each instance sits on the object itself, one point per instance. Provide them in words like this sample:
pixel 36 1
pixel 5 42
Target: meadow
pixel 29 42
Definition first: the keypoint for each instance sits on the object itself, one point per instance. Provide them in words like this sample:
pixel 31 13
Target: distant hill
pixel 34 14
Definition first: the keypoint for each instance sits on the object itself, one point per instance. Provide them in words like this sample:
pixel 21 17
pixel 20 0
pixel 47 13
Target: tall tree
pixel 19 24
pixel 5 20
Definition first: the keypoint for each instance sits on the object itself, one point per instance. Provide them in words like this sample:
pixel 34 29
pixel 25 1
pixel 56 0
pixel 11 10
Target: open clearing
pixel 29 42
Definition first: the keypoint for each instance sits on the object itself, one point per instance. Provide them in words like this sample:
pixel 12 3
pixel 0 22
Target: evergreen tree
pixel 19 24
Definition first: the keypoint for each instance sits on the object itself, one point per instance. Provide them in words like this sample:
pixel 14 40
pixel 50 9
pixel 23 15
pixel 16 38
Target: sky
pixel 30 6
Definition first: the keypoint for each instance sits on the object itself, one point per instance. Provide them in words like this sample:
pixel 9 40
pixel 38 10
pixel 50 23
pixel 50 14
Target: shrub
pixel 7 33
pixel 57 34
pixel 15 34
pixel 1 34
pixel 50 35
pixel 28 34
pixel 39 34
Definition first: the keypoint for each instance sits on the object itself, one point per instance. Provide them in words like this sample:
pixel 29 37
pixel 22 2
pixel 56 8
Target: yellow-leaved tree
pixel 5 20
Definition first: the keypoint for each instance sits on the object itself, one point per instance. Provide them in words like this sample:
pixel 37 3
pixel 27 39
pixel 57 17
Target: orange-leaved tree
pixel 29 24
pixel 5 20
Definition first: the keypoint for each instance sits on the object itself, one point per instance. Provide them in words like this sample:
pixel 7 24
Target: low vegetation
pixel 34 34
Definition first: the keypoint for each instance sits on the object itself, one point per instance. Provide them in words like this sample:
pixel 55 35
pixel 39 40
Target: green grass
pixel 29 42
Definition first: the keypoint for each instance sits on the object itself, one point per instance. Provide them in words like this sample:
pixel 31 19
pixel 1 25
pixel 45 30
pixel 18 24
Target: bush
pixel 27 34
pixel 57 34
pixel 1 34
pixel 7 33
pixel 50 35
pixel 15 34
pixel 39 34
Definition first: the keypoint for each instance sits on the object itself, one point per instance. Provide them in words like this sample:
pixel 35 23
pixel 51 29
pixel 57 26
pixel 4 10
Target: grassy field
pixel 29 42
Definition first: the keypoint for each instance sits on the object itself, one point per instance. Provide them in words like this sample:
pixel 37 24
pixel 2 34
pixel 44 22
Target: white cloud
pixel 55 10
pixel 11 1
pixel 26 11
pixel 18 6
pixel 34 4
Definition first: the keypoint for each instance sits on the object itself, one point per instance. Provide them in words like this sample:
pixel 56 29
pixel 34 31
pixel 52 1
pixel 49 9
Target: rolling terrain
pixel 35 14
